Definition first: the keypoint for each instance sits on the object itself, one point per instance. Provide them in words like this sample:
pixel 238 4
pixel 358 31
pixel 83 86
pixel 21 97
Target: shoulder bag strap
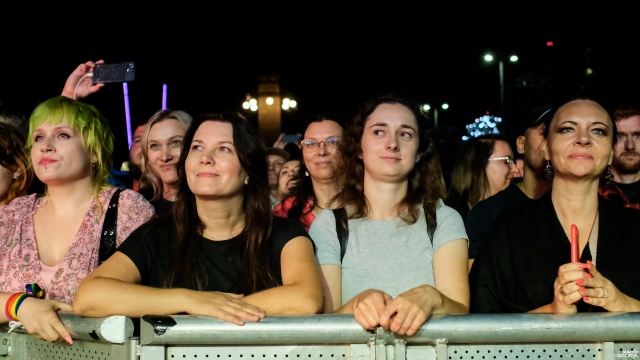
pixel 109 228
pixel 431 225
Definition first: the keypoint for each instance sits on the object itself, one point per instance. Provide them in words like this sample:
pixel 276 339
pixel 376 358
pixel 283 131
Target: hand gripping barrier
pixel 608 336
pixel 93 338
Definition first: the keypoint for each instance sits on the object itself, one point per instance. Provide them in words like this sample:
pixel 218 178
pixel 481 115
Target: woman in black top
pixel 220 252
pixel 525 263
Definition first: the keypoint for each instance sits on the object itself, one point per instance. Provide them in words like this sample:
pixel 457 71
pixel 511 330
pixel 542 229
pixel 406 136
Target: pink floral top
pixel 19 260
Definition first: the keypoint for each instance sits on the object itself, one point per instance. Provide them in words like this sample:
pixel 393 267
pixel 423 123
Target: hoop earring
pixel 548 171
pixel 607 175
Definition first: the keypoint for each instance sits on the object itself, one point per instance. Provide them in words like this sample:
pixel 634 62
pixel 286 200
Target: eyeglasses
pixel 311 145
pixel 507 160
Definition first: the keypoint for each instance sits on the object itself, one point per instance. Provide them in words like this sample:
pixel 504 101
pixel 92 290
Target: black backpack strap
pixel 342 229
pixel 109 229
pixel 431 225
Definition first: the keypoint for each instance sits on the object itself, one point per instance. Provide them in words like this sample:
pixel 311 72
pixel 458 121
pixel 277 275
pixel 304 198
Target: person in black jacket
pixel 525 264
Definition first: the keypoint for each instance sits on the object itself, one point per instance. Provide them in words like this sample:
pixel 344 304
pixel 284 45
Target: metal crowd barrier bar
pixel 106 338
pixel 473 336
pixel 607 336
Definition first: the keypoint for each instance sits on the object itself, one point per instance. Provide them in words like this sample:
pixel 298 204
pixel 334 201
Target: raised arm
pixel 79 85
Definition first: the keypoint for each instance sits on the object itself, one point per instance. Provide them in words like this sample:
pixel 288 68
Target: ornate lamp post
pixel 269 105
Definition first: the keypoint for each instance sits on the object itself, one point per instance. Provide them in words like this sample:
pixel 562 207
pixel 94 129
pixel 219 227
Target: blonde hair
pixel 149 178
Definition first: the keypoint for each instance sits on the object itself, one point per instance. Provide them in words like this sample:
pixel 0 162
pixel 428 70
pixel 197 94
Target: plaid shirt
pixel 614 194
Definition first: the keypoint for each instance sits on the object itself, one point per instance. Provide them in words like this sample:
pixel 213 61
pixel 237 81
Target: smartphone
pixel 290 138
pixel 116 72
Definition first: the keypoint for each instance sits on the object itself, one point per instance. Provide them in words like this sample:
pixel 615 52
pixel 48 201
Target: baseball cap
pixel 533 117
pixel 542 114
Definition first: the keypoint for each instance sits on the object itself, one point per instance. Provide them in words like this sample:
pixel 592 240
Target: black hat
pixel 532 118
pixel 542 114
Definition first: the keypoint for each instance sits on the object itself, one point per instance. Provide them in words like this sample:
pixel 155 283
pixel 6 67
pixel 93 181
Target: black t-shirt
pixel 632 190
pixel 151 247
pixel 162 205
pixel 483 214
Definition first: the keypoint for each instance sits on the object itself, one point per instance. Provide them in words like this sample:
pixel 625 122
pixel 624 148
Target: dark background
pixel 211 59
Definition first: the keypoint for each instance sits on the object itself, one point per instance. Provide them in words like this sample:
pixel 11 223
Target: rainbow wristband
pixel 13 303
pixel 15 300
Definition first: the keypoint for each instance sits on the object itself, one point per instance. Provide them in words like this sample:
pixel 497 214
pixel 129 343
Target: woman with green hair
pixel 51 241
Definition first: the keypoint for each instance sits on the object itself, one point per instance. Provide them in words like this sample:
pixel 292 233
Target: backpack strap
pixel 109 229
pixel 342 229
pixel 431 225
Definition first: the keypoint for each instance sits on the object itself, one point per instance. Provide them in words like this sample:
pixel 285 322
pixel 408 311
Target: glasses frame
pixel 333 144
pixel 508 160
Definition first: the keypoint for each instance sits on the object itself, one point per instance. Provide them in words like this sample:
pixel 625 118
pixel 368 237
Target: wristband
pixel 15 300
pixel 34 290
pixel 13 303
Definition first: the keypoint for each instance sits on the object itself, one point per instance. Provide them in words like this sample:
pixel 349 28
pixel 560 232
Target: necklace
pixel 593 239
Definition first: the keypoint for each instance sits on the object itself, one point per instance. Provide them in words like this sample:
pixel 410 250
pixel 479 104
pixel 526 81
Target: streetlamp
pixel 512 58
pixel 426 108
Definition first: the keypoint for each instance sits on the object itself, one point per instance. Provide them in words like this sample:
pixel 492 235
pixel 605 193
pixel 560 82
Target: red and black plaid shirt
pixel 614 194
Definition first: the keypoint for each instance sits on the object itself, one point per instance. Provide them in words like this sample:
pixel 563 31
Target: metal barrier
pixel 444 337
pixel 474 336
pixel 107 338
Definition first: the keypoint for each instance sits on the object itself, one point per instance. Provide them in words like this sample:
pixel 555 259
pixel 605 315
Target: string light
pixel 486 124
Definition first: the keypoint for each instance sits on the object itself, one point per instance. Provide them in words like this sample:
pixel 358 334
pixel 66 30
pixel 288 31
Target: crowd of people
pixel 206 219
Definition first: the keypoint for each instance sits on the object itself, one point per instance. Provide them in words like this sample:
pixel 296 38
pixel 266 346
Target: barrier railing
pixel 451 337
pixel 104 338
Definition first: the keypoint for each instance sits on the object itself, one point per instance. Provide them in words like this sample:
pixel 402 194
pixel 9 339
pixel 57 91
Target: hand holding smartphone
pixel 116 72
pixel 290 138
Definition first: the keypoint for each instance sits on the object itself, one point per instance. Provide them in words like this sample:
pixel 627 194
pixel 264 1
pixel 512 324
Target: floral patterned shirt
pixel 19 260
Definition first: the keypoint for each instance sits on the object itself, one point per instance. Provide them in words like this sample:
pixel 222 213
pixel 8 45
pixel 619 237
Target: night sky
pixel 329 64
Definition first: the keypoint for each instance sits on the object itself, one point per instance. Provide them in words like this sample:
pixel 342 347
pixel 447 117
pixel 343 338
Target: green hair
pixel 85 119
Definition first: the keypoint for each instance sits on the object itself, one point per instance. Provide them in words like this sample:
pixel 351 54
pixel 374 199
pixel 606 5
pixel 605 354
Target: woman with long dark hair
pixel 220 252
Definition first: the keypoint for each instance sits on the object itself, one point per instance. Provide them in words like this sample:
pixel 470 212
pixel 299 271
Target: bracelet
pixel 15 300
pixel 13 303
pixel 35 291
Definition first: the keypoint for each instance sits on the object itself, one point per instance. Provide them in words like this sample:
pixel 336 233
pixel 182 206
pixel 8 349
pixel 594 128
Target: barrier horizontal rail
pixel 115 329
pixel 342 329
